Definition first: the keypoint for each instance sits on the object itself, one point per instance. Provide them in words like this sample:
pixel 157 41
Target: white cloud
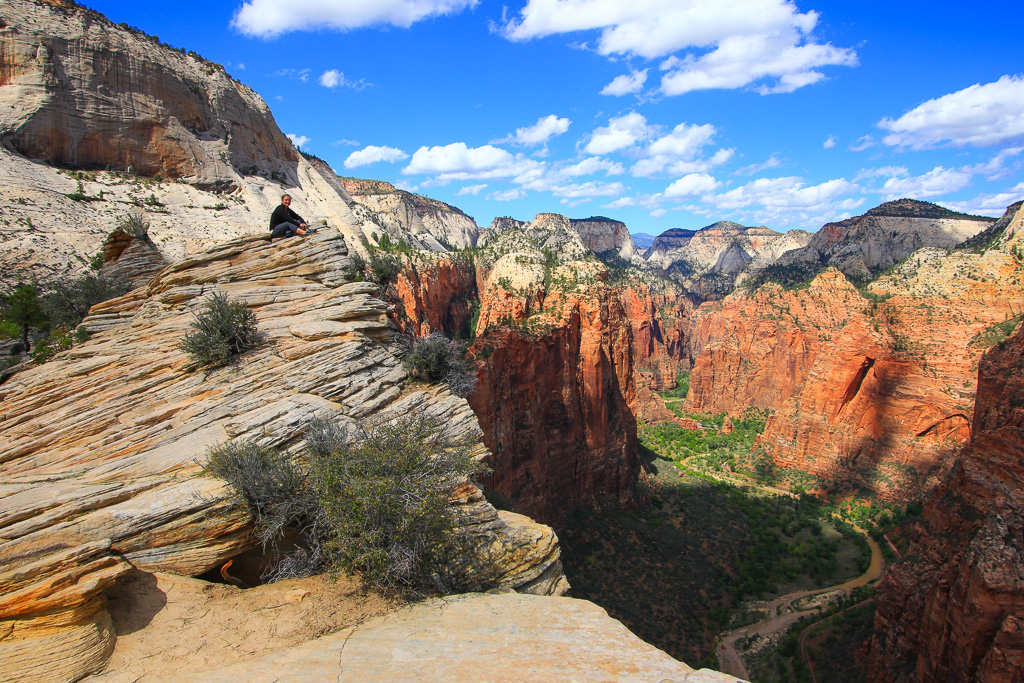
pixel 864 142
pixel 658 213
pixel 883 172
pixel 332 78
pixel 935 182
pixel 470 189
pixel 830 143
pixel 301 74
pixel 989 204
pixel 996 167
pixel 979 115
pixel 680 152
pixel 506 195
pixel 771 162
pixel 779 195
pixel 459 162
pixel 346 141
pixel 539 133
pixel 298 140
pixel 735 43
pixel 371 154
pixel 619 203
pixel 270 18
pixel 589 189
pixel 620 133
pixel 626 83
pixel 692 185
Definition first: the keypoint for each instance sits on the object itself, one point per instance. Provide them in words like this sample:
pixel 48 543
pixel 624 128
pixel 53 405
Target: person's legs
pixel 284 230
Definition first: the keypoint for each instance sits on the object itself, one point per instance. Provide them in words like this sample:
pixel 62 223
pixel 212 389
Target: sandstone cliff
pixel 876 391
pixel 711 261
pixel 430 223
pixel 101 446
pixel 609 240
pixel 863 246
pixel 954 608
pixel 80 95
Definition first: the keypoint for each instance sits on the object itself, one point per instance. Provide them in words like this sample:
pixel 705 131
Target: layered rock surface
pixel 711 261
pixel 79 92
pixel 954 608
pixel 102 446
pixel 863 246
pixel 476 638
pixel 877 393
pixel 432 223
pixel 608 239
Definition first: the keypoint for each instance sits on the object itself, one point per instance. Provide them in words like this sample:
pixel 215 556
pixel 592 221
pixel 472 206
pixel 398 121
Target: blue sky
pixel 659 113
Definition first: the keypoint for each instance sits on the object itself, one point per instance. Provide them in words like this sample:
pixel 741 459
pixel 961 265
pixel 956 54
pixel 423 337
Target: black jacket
pixel 282 214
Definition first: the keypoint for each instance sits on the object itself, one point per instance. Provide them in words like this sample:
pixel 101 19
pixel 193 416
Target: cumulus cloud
pixel 470 189
pixel 731 44
pixel 979 115
pixel 935 182
pixel 680 152
pixel 782 194
pixel 771 162
pixel 507 195
pixel 989 204
pixel 830 142
pixel 862 143
pixel 298 140
pixel 270 18
pixel 539 133
pixel 626 83
pixel 332 78
pixel 620 133
pixel 371 154
pixel 692 185
pixel 588 189
pixel 457 161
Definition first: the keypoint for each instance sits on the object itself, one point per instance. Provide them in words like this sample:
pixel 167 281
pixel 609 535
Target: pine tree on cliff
pixel 24 312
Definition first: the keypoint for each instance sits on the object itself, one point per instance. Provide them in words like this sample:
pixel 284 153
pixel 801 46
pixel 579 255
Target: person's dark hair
pixel 285 195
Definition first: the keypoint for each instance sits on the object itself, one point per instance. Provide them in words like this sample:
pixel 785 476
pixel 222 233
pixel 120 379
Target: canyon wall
pixel 871 389
pixel 102 448
pixel 953 609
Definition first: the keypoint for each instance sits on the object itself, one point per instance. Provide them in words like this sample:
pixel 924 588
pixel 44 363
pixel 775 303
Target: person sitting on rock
pixel 284 222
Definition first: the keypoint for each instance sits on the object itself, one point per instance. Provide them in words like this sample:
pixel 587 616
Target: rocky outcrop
pixel 435 225
pixel 874 393
pixel 136 259
pixel 710 262
pixel 863 246
pixel 500 638
pixel 80 92
pixel 435 293
pixel 609 240
pixel 102 446
pixel 954 608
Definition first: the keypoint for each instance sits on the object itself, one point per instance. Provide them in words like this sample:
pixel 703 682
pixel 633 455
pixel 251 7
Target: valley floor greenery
pixel 677 569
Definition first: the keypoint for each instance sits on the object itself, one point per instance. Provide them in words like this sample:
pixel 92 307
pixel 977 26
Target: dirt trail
pixel 781 615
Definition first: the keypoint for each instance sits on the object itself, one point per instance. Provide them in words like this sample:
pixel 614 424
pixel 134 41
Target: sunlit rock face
pixel 875 393
pixel 954 608
pixel 103 446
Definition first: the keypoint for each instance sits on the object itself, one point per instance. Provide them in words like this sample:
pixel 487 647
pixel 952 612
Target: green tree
pixel 25 312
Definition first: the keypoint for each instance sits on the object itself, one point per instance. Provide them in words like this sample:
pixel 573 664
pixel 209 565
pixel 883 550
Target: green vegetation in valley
pixel 676 569
pixel 994 334
pixel 836 641
pixel 682 389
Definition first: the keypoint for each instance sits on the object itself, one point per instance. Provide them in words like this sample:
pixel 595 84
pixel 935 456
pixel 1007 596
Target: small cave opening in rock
pixel 256 566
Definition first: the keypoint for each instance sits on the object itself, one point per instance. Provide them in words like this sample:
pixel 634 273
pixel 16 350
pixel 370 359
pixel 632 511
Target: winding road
pixel 781 614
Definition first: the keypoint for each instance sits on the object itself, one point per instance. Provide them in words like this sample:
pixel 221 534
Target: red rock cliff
pixel 954 609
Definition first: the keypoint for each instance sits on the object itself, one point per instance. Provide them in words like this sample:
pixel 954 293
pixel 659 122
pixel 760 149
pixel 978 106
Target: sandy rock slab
pixel 473 637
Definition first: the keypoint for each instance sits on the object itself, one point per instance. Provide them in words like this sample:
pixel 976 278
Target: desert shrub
pixel 221 329
pixel 373 499
pixel 68 301
pixel 357 267
pixel 135 224
pixel 384 268
pixel 385 490
pixel 436 359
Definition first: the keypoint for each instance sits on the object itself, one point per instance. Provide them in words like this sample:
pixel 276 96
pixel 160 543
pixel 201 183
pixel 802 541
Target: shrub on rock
pixel 221 329
pixel 436 359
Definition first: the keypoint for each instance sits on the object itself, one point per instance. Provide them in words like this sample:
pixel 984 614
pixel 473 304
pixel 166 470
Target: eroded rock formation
pixel 102 446
pixel 875 392
pixel 953 610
